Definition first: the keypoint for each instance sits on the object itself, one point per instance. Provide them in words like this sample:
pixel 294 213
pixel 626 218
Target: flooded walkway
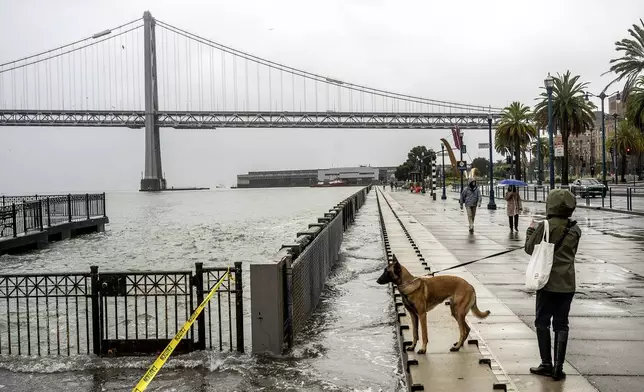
pixel 606 346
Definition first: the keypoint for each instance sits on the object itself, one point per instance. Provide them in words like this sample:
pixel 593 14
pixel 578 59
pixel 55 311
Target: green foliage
pixel 415 156
pixel 545 150
pixel 635 104
pixel 402 171
pixel 571 113
pixel 514 132
pixel 481 165
pixel 628 137
pixel 501 170
pixel 631 64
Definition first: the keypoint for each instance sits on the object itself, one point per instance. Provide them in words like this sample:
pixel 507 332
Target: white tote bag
pixel 538 272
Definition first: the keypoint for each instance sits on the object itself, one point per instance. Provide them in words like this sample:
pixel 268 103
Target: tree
pixel 481 165
pixel 421 157
pixel 402 171
pixel 545 152
pixel 635 113
pixel 635 104
pixel 515 132
pixel 545 148
pixel 415 156
pixel 631 64
pixel 628 138
pixel 571 113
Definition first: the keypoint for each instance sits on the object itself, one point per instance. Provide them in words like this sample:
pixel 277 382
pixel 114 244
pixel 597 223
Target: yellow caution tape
pixel 163 357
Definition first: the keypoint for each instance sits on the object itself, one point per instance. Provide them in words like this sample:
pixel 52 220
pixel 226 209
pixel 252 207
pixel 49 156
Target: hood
pixel 561 203
pixel 470 181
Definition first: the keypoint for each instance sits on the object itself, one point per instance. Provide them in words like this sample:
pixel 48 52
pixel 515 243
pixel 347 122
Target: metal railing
pixel 118 313
pixel 311 259
pixel 22 214
pixel 616 198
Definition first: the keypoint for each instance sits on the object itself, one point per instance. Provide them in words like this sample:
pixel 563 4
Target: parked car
pixel 588 187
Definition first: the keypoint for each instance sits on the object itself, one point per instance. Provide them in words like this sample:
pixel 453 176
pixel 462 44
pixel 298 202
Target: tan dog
pixel 422 294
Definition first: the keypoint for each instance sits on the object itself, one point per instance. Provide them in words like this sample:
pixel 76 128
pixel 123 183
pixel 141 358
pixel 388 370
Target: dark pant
pixel 516 221
pixel 555 306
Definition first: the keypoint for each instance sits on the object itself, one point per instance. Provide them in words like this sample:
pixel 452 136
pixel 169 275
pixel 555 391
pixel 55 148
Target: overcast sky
pixel 470 51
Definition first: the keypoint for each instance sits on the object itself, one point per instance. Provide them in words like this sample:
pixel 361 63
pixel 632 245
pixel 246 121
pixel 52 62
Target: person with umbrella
pixel 513 203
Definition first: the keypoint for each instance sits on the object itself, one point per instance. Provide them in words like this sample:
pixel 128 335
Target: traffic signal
pixel 508 159
pixel 628 151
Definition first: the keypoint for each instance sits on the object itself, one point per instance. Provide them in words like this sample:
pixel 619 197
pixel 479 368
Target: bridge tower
pixel 153 176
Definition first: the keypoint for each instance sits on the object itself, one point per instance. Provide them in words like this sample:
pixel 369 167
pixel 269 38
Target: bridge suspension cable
pixel 324 79
pixel 93 37
pixel 100 72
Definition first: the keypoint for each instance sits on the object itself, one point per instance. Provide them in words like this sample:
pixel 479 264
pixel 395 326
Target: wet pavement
pixel 607 316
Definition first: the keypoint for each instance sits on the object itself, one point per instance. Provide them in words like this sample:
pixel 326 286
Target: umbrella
pixel 513 182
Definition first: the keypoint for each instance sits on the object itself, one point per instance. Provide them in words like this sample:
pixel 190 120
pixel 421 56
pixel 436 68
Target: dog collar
pixel 409 287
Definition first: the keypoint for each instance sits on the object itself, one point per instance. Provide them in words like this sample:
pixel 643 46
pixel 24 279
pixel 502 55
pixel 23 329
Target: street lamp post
pixel 549 82
pixel 444 196
pixel 603 96
pixel 460 135
pixel 539 162
pixel 491 205
pixel 615 116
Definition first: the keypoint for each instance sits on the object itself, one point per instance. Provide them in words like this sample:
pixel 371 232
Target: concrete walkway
pixel 607 316
pixel 438 369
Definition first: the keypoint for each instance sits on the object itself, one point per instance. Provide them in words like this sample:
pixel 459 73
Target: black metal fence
pixel 22 214
pixel 617 198
pixel 123 313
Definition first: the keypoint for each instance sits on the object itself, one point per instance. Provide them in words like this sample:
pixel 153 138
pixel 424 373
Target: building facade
pixel 361 175
pixel 278 178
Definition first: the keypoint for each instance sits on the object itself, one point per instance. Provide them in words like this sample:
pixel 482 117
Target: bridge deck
pixel 441 370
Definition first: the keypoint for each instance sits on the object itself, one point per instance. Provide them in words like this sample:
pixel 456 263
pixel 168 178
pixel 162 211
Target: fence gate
pixel 140 312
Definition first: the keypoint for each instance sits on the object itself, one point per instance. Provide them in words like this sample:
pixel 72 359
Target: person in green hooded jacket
pixel 554 299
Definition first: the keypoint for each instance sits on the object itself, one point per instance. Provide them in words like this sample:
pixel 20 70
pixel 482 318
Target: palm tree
pixel 544 148
pixel 515 132
pixel 635 114
pixel 635 104
pixel 544 153
pixel 571 113
pixel 628 138
pixel 631 64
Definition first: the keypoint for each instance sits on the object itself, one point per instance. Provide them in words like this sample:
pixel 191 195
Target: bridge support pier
pixel 153 179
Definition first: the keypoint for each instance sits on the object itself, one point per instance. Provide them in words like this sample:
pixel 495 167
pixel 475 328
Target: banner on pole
pixel 458 142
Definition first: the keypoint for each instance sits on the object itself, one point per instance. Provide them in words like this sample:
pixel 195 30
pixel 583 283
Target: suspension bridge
pixel 150 74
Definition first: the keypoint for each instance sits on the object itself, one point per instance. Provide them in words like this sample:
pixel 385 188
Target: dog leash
pixel 565 233
pixel 474 261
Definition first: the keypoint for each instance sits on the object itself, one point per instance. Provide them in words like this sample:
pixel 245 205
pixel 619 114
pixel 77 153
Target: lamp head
pixel 549 82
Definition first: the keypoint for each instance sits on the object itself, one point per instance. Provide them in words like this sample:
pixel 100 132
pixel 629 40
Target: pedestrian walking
pixel 554 299
pixel 471 197
pixel 513 207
